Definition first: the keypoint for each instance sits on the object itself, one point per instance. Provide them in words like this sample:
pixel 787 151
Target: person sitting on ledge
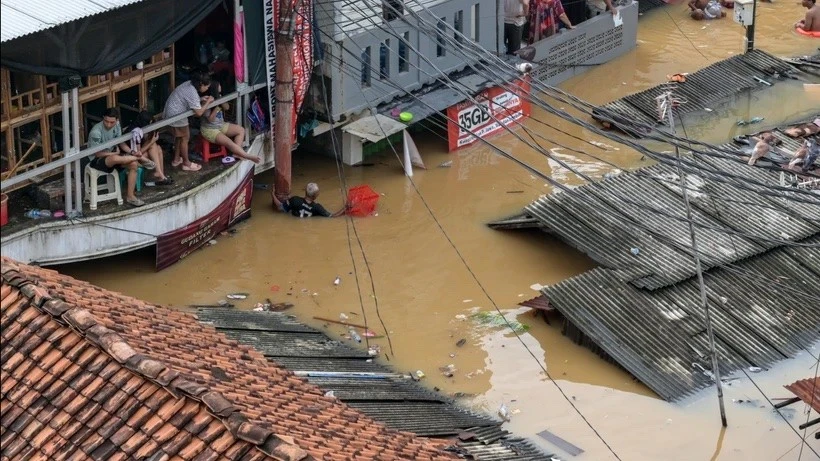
pixel 706 9
pixel 146 146
pixel 811 23
pixel 119 157
pixel 215 129
pixel 307 206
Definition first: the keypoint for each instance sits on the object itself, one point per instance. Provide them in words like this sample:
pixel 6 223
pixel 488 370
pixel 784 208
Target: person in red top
pixel 544 17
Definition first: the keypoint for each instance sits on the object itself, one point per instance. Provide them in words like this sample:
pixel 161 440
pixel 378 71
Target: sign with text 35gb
pixel 495 108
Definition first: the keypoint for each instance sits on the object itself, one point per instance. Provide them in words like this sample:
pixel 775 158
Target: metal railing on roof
pixel 72 157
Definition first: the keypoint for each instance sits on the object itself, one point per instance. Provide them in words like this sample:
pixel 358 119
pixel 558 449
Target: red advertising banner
pixel 497 108
pixel 177 244
pixel 302 57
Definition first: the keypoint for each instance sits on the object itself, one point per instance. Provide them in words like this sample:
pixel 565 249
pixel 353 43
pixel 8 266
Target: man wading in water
pixel 305 207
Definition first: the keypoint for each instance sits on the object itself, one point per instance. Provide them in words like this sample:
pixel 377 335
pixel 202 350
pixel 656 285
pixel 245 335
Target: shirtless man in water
pixel 811 23
pixel 706 9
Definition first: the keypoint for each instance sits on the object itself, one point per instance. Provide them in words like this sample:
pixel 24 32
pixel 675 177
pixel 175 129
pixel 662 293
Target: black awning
pixel 107 41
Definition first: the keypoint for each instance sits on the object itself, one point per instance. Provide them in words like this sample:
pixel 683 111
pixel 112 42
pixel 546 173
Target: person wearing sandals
pixel 185 97
pixel 215 129
pixel 145 145
pixel 119 157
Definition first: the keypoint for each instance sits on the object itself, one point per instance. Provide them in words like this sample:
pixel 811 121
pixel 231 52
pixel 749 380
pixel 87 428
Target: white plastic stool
pixel 95 192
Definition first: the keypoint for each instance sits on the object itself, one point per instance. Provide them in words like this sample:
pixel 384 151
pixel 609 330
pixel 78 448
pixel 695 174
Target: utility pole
pixel 744 14
pixel 283 122
pixel 703 299
pixel 750 29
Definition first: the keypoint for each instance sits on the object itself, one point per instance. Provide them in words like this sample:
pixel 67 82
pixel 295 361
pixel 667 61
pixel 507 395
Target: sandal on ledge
pixel 192 167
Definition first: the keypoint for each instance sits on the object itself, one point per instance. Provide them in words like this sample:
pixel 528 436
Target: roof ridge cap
pixel 84 323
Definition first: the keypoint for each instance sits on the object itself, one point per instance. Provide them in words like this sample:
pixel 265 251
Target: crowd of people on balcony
pixel 144 151
pixel 529 21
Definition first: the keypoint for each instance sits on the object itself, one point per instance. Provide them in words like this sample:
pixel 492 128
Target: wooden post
pixel 283 123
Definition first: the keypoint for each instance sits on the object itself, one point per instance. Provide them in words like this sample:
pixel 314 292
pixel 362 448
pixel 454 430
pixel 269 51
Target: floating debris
pixel 494 319
pixel 461 342
pixel 504 412
pixel 337 281
pixel 237 295
pixel 446 164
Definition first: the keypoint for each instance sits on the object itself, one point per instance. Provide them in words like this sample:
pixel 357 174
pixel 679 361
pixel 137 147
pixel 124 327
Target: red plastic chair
pixel 209 150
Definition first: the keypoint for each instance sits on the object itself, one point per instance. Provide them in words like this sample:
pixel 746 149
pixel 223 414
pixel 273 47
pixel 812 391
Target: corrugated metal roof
pixel 23 17
pixel 763 310
pixel 701 89
pixel 644 210
pixel 392 399
pixel 808 390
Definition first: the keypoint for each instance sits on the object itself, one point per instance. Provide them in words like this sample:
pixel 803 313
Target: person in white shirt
pixel 597 7
pixel 515 16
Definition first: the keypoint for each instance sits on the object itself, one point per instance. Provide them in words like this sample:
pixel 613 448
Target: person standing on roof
pixel 305 207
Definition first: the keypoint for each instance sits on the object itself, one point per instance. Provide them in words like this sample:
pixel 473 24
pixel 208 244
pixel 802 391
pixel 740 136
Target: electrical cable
pixel 495 305
pixel 781 242
pixel 445 232
pixel 459 45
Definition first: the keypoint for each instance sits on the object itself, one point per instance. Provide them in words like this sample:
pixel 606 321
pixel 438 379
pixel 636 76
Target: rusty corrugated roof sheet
pixel 539 302
pixel 808 390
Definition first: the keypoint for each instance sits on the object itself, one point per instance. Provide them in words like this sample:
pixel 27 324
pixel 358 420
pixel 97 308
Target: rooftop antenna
pixel 666 103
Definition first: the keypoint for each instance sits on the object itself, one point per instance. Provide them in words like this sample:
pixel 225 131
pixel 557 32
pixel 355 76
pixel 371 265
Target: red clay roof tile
pixel 116 338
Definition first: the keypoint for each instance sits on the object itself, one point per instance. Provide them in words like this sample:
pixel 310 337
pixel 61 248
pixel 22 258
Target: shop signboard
pixel 494 109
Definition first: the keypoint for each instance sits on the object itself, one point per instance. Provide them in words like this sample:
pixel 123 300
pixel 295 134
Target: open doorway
pixel 209 46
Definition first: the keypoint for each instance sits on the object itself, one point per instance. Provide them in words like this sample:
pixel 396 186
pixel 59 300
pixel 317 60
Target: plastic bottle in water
pixel 355 336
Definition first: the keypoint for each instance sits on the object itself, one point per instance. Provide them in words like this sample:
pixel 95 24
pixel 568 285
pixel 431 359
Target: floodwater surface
pixel 427 263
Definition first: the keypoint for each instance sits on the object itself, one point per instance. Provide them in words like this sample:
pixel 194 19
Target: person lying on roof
pixel 806 154
pixel 305 207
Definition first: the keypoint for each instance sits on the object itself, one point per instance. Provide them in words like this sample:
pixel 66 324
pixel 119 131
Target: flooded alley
pixel 427 272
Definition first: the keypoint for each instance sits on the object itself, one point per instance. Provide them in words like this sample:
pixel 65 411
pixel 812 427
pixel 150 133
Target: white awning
pixel 23 17
pixel 374 128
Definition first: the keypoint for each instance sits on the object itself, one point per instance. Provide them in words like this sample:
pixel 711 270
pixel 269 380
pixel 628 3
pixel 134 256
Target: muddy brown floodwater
pixel 424 287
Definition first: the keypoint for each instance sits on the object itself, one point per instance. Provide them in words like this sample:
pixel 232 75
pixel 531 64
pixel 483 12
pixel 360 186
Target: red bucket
pixel 362 201
pixel 4 210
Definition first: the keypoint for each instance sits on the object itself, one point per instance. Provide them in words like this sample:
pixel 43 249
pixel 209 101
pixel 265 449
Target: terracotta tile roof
pixel 94 373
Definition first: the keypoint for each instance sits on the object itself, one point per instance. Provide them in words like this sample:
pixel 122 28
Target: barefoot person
pixel 185 97
pixel 215 129
pixel 118 158
pixel 307 206
pixel 144 145
pixel 811 23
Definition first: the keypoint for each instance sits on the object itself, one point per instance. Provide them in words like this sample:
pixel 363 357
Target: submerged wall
pixel 592 42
